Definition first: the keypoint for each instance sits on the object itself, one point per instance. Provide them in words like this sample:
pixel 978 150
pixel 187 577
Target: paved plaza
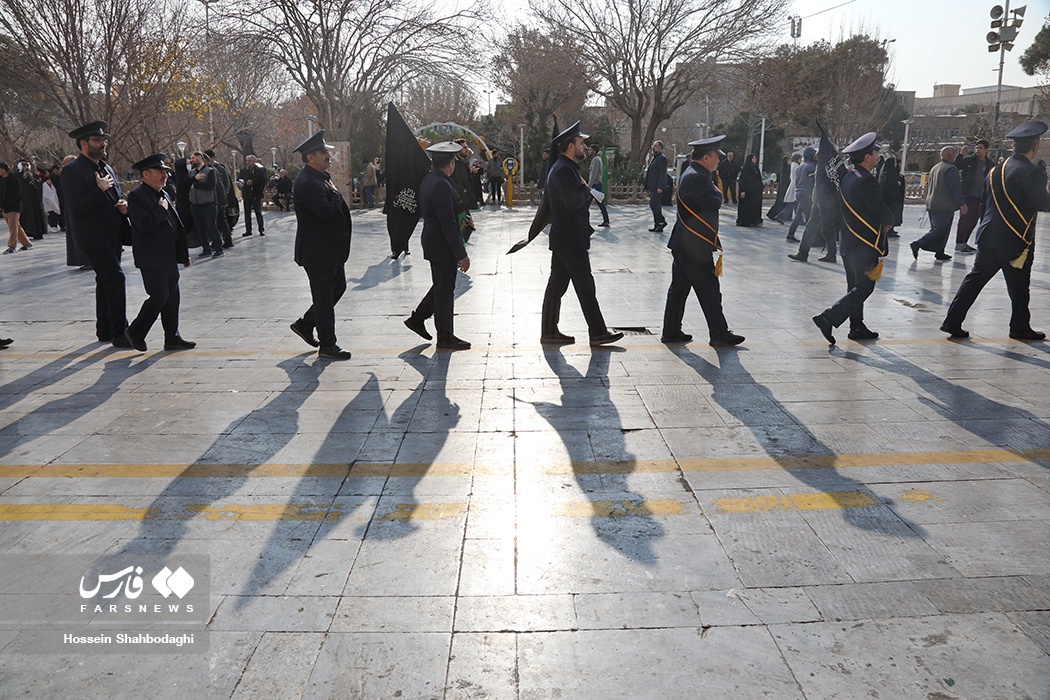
pixel 778 520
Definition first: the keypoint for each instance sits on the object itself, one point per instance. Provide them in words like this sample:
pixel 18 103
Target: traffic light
pixel 1004 29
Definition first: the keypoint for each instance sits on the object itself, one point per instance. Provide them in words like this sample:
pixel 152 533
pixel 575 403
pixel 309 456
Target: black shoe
pixel 799 256
pixel 245 235
pixel 676 337
pixel 227 245
pixel 655 230
pixel 828 259
pixel 418 326
pixel 1028 335
pixel 4 342
pixel 557 338
pixel 103 340
pixel 893 234
pixel 915 249
pixel 792 239
pixel 333 352
pixel 305 333
pixel 218 254
pixel 137 343
pixel 942 257
pixel 261 233
pixel 606 338
pixel 727 339
pixel 954 331
pixel 862 333
pixel 825 327
pixel 177 343
pixel 604 223
pixel 205 254
pixel 453 343
pixel 121 341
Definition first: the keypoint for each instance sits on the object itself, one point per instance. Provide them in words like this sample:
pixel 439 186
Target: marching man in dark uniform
pixel 569 198
pixel 97 212
pixel 1013 193
pixel 862 238
pixel 442 246
pixel 322 245
pixel 694 240
pixel 158 242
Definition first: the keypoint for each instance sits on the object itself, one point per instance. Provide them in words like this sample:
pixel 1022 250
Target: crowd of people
pixel 195 207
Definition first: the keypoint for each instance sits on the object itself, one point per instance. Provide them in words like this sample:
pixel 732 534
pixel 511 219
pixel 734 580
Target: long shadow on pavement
pixel 726 378
pixel 633 531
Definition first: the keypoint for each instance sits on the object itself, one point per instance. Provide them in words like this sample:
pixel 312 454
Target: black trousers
pixel 110 296
pixel 250 205
pixel 729 190
pixel 656 204
pixel 696 273
pixel 572 266
pixel 440 300
pixel 940 226
pixel 859 287
pixel 327 284
pixel 162 290
pixel 986 264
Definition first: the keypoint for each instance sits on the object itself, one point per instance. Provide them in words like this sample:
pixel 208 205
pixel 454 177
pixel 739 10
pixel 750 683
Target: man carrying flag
pixel 693 242
pixel 569 198
pixel 1014 192
pixel 865 220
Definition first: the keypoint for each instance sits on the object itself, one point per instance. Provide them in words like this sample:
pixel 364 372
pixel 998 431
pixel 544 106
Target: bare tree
pixel 646 53
pixel 115 60
pixel 843 85
pixel 542 72
pixel 347 55
pixel 429 100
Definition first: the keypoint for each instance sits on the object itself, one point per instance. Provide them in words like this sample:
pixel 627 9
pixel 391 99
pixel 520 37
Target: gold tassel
pixel 1018 262
pixel 875 273
pixel 718 266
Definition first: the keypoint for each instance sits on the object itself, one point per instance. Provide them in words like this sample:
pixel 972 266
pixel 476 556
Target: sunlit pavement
pixel 777 520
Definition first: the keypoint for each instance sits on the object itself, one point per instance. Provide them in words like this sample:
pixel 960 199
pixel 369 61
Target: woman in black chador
pixel 783 180
pixel 891 182
pixel 749 209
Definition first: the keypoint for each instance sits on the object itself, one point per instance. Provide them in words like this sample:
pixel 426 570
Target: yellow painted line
pixel 267 512
pixel 426 511
pixel 795 501
pixel 617 509
pixel 652 466
pixel 70 511
pixel 917 496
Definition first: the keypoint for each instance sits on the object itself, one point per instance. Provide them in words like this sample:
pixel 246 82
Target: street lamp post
pixel 904 148
pixel 181 145
pixel 310 125
pixel 1001 38
pixel 273 157
pixel 207 41
pixel 762 145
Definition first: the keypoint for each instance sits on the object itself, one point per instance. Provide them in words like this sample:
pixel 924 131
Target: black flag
pixel 406 166
pixel 826 215
pixel 543 214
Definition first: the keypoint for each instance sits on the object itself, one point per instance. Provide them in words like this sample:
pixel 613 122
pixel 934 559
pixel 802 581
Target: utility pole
pixel 1005 26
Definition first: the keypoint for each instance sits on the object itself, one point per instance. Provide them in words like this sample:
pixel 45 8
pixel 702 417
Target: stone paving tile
pixel 380 665
pixel 275 614
pixel 635 611
pixel 725 662
pixel 992 548
pixel 867 601
pixel 483 665
pixel 280 666
pixel 777 605
pixel 518 613
pixel 1035 624
pixel 974 595
pixel 915 657
pixel 394 614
